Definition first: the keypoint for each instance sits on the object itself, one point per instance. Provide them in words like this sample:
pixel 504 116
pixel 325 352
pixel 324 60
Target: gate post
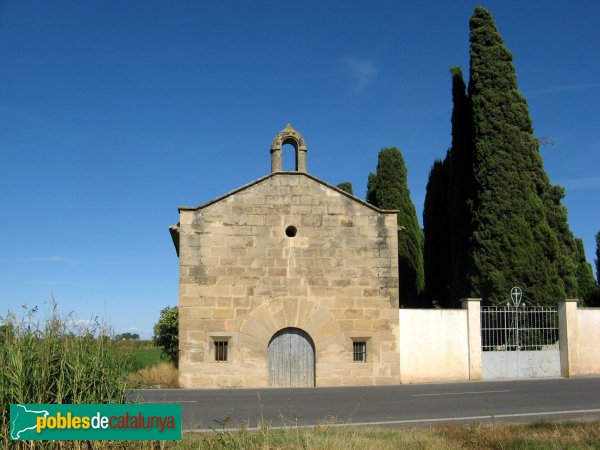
pixel 567 332
pixel 473 307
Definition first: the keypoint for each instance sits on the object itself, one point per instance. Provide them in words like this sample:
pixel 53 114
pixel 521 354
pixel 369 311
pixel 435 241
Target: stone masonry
pixel 245 274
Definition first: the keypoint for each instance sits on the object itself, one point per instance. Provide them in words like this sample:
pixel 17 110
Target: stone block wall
pixel 242 279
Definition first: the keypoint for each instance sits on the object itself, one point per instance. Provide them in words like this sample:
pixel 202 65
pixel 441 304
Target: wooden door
pixel 291 359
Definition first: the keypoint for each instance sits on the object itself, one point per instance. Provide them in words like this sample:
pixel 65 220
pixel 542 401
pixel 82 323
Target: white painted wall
pixel 434 345
pixel 445 345
pixel 588 341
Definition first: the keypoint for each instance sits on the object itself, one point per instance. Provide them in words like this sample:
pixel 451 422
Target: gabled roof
pixel 303 174
pixel 174 229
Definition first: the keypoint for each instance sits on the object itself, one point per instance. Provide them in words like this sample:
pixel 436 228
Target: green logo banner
pixel 95 422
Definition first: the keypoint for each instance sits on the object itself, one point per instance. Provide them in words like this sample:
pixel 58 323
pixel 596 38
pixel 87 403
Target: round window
pixel 291 231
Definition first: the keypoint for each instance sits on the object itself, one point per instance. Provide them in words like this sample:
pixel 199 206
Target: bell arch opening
pixel 289 157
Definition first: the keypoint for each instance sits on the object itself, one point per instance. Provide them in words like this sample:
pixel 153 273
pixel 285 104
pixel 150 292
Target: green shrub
pixel 166 333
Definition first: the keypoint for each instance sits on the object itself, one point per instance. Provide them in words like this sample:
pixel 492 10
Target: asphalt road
pixel 401 405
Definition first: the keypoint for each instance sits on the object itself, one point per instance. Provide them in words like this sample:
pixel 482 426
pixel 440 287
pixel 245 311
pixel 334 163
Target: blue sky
pixel 113 114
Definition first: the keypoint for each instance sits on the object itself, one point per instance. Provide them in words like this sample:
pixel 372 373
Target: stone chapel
pixel 287 281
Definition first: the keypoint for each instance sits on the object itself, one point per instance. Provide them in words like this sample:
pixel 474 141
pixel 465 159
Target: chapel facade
pixel 287 281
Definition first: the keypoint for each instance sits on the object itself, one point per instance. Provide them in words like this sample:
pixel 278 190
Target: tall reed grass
pixel 58 360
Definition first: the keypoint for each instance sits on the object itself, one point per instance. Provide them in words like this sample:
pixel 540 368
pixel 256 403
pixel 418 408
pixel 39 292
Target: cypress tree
pixel 460 188
pixel 437 254
pixel 513 243
pixel 573 268
pixel 506 222
pixel 389 190
pixel 447 212
pixel 568 257
pixel 598 257
pixel 346 186
pixel 594 298
pixel 371 197
pixel 585 276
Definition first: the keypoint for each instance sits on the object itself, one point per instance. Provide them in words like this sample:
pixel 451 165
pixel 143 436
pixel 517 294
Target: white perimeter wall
pixel 434 345
pixel 588 342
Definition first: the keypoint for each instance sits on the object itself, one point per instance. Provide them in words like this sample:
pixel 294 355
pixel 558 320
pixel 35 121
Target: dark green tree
pixel 585 276
pixel 371 196
pixel 127 337
pixel 598 257
pixel 346 186
pixel 166 333
pixel 460 189
pixel 388 189
pixel 569 258
pixel 506 222
pixel 594 298
pixel 447 212
pixel 513 243
pixel 437 255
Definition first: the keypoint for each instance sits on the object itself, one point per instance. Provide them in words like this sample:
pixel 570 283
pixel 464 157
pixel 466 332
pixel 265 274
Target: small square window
pixel 221 348
pixel 359 351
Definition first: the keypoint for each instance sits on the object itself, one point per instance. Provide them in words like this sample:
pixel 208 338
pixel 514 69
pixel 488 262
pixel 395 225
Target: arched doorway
pixel 291 359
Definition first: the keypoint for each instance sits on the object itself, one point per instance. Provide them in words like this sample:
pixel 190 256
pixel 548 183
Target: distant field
pixel 146 358
pixel 135 345
pixel 143 353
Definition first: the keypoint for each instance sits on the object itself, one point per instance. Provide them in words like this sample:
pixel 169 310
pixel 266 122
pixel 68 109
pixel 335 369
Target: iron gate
pixel 520 341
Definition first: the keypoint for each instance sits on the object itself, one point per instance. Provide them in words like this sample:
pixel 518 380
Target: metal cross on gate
pixel 515 295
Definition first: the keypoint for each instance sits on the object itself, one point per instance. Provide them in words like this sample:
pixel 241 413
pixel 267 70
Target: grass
pixel 324 437
pixel 149 366
pixel 143 358
pixel 57 360
pixel 543 435
pixel 135 345
pixel 161 375
pixel 143 353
